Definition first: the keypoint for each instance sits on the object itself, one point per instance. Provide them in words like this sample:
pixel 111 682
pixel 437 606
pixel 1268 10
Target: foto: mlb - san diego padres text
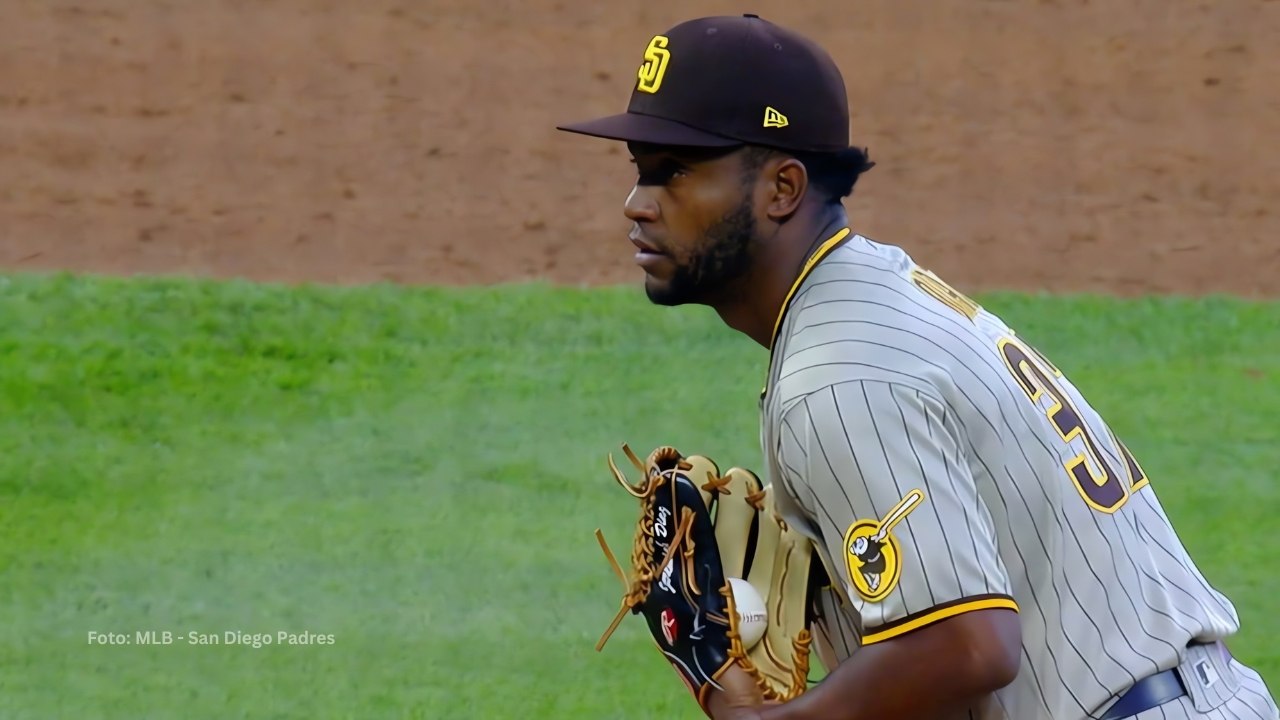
pixel 226 637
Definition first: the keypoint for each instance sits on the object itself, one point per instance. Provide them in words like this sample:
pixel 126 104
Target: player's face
pixel 695 226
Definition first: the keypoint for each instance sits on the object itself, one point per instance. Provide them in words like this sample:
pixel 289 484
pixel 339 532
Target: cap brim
pixel 633 127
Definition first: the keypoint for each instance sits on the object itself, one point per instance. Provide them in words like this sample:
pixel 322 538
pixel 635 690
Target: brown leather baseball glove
pixel 697 529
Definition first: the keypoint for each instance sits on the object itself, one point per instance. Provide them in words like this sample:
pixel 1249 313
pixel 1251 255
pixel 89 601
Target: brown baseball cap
pixel 732 80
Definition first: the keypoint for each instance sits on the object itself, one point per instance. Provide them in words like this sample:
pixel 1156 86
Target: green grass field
pixel 419 472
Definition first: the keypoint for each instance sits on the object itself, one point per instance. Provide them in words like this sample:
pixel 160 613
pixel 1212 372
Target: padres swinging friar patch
pixel 871 552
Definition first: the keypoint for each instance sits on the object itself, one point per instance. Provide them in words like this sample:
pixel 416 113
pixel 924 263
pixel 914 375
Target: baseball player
pixel 993 549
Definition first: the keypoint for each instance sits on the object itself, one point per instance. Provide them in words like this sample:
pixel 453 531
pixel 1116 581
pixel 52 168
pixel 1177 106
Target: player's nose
pixel 640 205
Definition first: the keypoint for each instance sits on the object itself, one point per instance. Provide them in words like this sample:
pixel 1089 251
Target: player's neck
pixel 753 309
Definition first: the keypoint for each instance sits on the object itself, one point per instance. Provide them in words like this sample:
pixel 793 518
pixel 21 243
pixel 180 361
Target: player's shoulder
pixel 865 290
pixel 873 279
pixel 866 285
pixel 860 261
pixel 869 312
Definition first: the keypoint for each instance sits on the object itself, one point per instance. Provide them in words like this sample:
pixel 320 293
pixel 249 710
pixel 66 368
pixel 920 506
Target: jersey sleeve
pixel 880 468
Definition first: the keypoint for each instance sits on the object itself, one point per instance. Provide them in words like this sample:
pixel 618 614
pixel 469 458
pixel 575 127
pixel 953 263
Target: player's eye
pixel 659 172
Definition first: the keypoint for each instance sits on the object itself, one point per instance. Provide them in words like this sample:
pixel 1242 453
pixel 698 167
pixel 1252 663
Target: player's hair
pixel 831 174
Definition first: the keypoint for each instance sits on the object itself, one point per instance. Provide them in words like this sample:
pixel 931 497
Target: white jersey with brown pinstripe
pixel 942 465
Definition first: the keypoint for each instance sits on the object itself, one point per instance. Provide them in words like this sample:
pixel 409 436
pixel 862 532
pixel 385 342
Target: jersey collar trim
pixel 823 250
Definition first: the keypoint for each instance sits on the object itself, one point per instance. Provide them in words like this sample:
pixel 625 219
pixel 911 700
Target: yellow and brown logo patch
pixel 872 554
pixel 656 56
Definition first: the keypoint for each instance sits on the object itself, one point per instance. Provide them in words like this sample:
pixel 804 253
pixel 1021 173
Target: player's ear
pixel 789 181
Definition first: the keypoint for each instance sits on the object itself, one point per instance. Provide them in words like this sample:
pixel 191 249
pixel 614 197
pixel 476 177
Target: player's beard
pixel 726 254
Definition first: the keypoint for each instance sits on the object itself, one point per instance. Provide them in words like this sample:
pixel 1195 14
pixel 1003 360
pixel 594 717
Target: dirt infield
pixel 1121 147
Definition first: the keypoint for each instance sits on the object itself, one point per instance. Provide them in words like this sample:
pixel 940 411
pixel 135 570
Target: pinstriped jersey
pixel 941 465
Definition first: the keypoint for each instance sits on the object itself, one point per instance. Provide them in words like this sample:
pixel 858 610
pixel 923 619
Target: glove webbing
pixel 637 589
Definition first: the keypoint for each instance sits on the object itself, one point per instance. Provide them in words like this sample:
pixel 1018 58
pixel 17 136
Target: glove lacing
pixel 799 658
pixel 637 589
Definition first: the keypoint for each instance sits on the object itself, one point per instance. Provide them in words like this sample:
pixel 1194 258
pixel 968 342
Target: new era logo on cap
pixel 774 119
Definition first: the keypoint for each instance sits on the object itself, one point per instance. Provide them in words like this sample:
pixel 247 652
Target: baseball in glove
pixel 697 529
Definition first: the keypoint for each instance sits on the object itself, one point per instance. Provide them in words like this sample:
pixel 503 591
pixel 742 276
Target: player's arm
pixel 924 674
pixel 927 673
pixel 883 463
